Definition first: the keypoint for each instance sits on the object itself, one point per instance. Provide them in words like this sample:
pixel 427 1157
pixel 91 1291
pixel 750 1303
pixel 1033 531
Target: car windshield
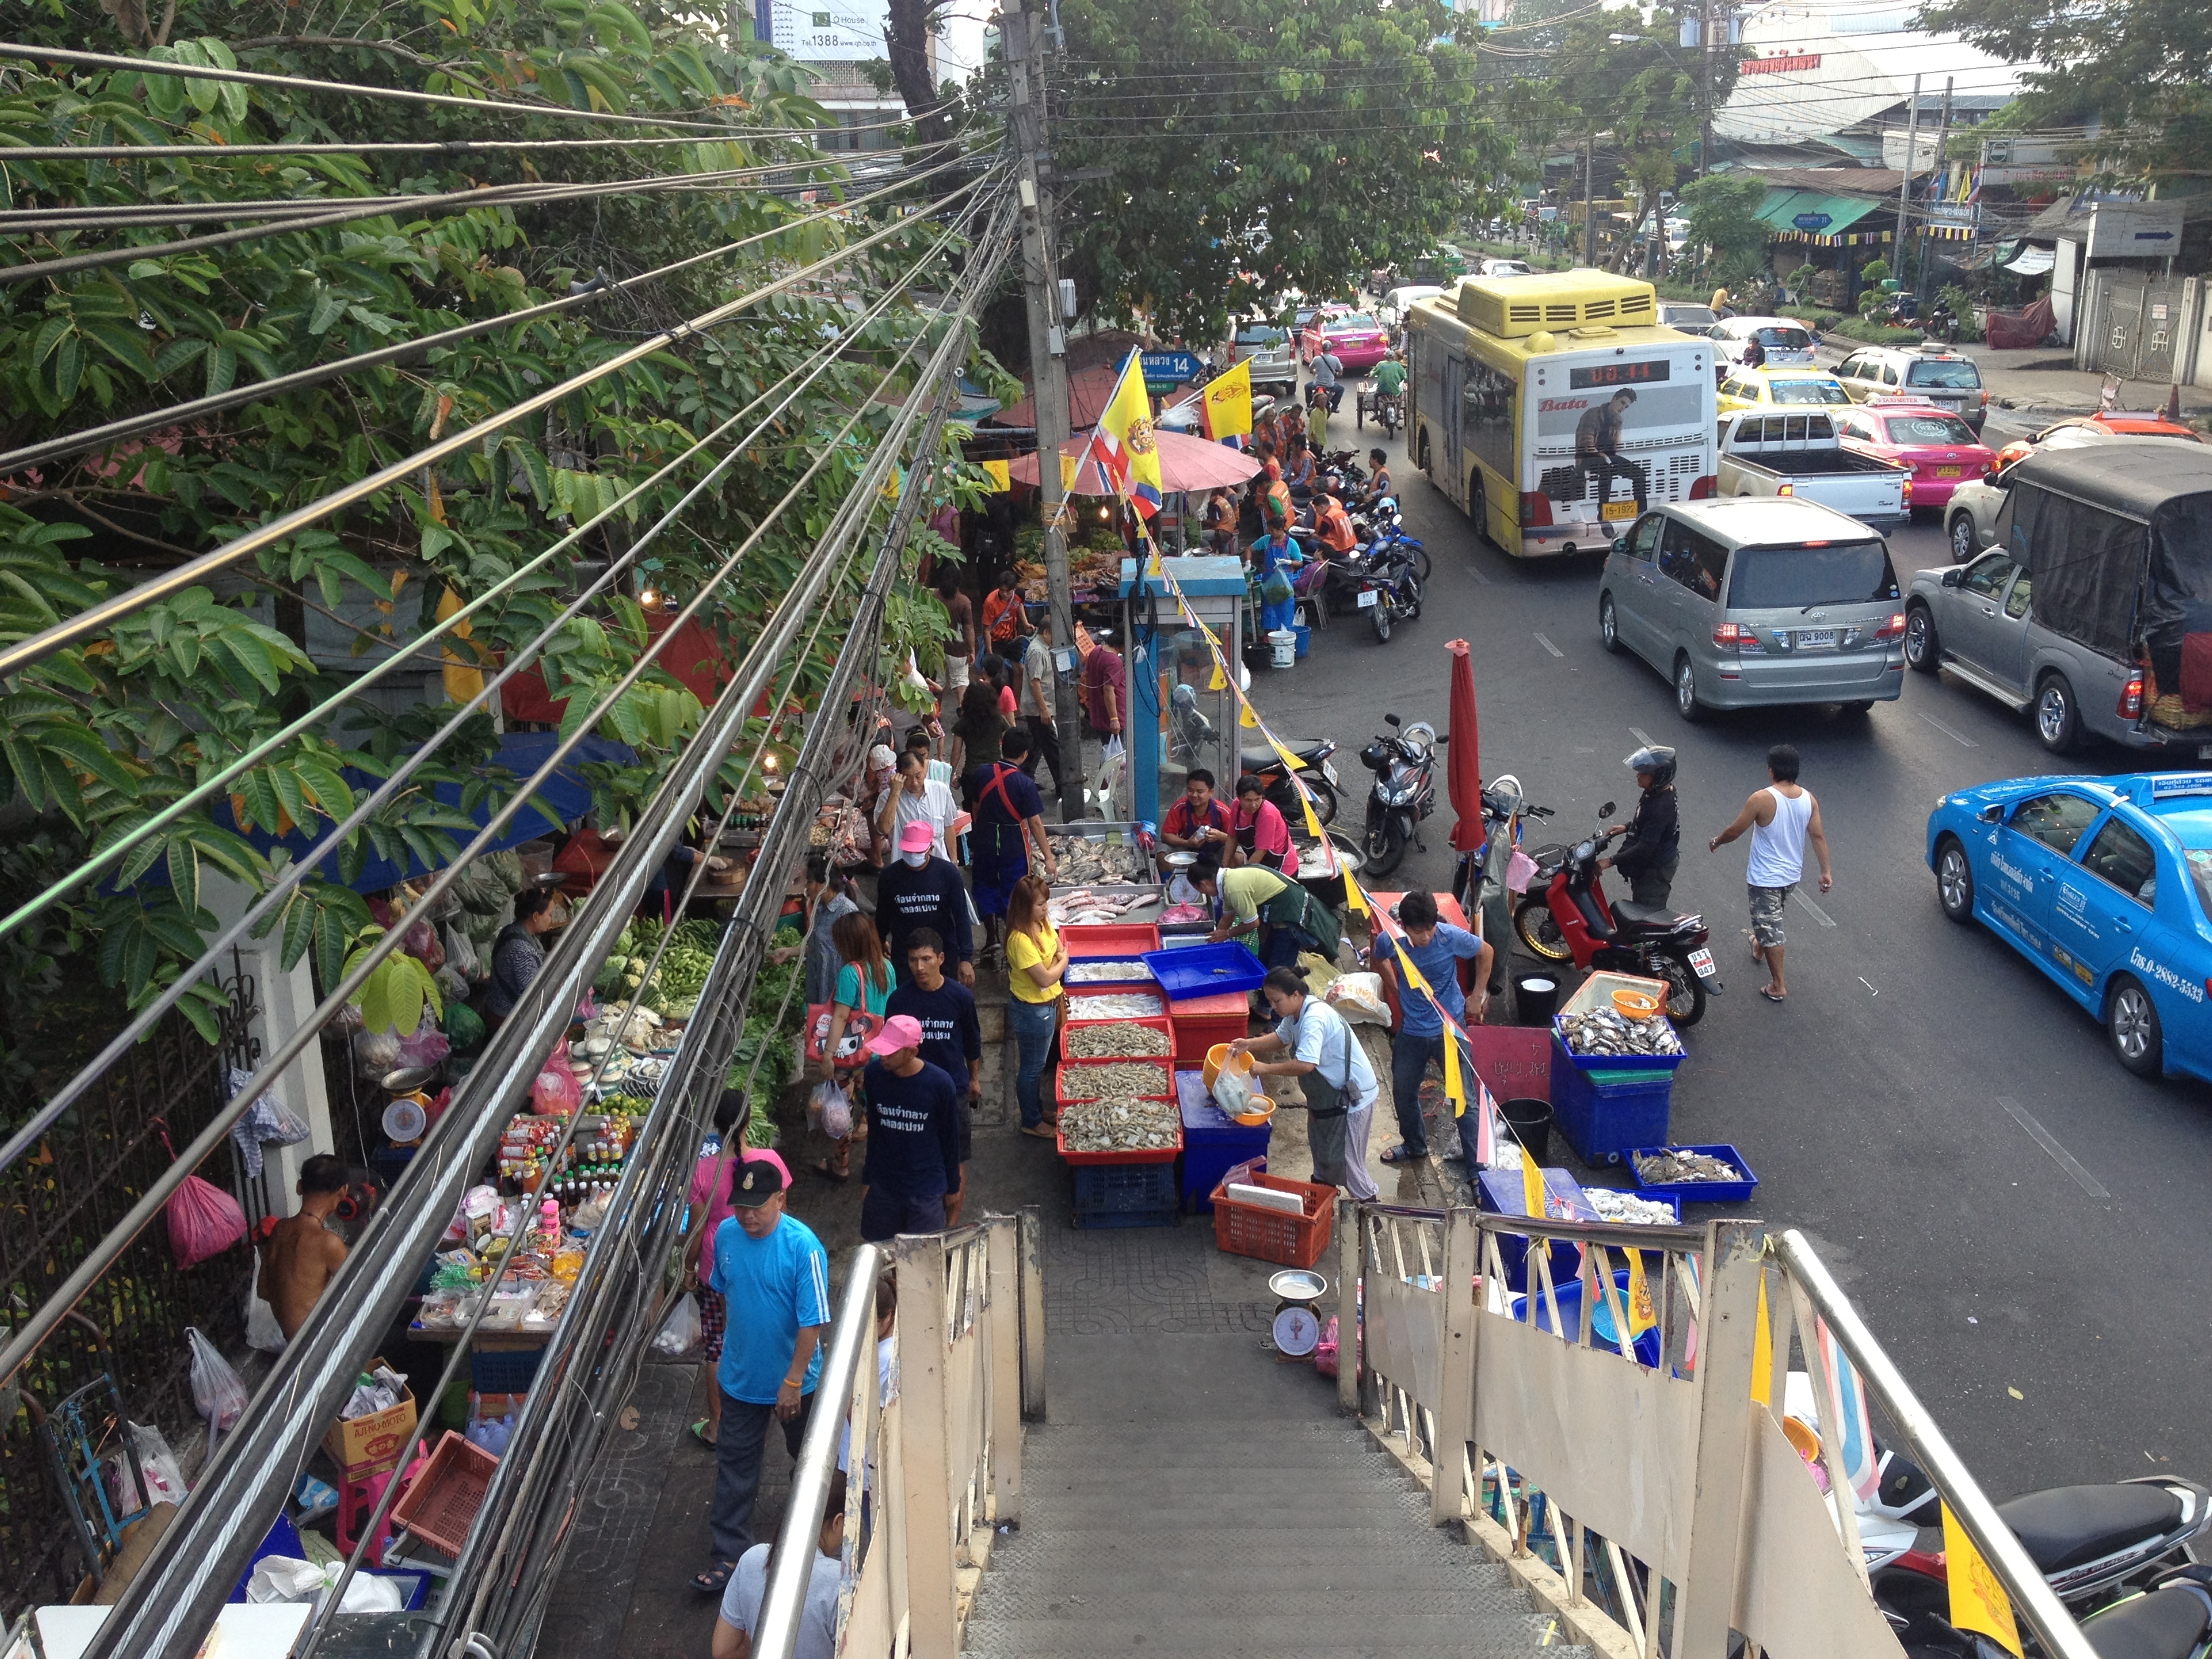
pixel 1792 578
pixel 1809 391
pixel 1954 373
pixel 1929 429
pixel 1260 335
pixel 1352 324
pixel 1785 339
pixel 1690 317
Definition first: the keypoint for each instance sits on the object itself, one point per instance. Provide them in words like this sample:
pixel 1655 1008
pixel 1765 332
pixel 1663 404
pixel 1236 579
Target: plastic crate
pixel 1568 1294
pixel 1116 939
pixel 1125 1194
pixel 1289 1241
pixel 1603 1114
pixel 1208 1155
pixel 1610 1062
pixel 1070 1070
pixel 1159 1023
pixel 504 1370
pixel 1206 970
pixel 1697 1191
pixel 1498 1192
pixel 440 1506
pixel 1093 987
pixel 1201 1022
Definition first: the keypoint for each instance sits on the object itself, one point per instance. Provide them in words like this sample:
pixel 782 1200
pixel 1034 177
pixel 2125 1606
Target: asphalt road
pixel 2054 1333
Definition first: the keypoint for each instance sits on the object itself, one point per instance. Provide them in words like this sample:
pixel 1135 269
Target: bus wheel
pixel 1478 507
pixel 1421 460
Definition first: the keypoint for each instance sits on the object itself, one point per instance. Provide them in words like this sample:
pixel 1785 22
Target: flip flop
pixel 1041 1131
pixel 714 1580
pixel 821 1167
pixel 1767 991
pixel 698 1433
pixel 1398 1154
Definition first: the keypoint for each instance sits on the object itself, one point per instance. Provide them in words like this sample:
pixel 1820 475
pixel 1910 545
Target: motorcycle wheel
pixel 1386 846
pixel 1685 992
pixel 1285 799
pixel 1381 616
pixel 1540 930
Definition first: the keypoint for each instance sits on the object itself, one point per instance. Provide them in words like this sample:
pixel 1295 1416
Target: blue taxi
pixel 2105 883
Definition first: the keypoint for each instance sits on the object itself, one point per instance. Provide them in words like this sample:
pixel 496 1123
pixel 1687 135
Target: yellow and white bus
pixel 1554 409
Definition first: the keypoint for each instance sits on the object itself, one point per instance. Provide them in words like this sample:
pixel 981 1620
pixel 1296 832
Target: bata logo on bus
pixel 1555 405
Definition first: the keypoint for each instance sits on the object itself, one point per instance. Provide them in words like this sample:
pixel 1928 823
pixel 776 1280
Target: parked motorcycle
pixel 1567 916
pixel 1390 588
pixel 1383 523
pixel 1314 768
pixel 1403 794
pixel 1329 585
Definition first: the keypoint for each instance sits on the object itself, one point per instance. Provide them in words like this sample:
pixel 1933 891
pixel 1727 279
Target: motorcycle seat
pixel 1644 915
pixel 2166 1624
pixel 1266 760
pixel 2067 1526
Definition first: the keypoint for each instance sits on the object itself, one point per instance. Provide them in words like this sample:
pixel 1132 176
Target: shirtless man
pixel 302 1254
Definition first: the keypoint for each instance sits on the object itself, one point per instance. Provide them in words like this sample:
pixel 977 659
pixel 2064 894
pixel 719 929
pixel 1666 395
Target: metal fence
pixel 1631 1480
pixel 54 1204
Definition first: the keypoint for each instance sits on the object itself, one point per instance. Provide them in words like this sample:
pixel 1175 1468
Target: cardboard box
pixel 369 1445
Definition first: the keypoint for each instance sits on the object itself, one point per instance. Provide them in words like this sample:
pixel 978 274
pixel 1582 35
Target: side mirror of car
pixel 1954 575
pixel 1992 814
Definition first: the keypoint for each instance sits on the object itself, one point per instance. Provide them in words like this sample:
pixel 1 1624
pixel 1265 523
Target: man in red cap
pixel 913 1136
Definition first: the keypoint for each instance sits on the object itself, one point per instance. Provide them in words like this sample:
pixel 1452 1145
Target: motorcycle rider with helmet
pixel 1653 851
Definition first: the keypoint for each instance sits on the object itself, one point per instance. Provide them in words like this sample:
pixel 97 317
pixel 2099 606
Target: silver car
pixel 1755 602
pixel 1273 357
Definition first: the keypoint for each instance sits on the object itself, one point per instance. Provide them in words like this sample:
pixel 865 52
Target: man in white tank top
pixel 1782 819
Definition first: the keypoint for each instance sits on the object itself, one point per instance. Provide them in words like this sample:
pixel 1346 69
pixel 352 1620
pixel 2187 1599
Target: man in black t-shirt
pixel 913 1136
pixel 952 1037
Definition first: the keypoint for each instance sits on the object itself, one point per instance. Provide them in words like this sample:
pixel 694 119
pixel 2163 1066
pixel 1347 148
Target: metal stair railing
pixel 1640 1466
pixel 932 1473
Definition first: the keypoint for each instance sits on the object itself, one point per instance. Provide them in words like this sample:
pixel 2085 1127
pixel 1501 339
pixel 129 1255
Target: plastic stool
pixel 357 1501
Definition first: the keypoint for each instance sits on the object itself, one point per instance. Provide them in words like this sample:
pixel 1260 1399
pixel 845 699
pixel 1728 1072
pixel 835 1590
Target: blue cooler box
pixel 1604 1114
pixel 1498 1192
pixel 1213 1143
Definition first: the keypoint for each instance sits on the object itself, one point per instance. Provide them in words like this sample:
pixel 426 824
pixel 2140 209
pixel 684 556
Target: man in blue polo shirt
pixel 774 1277
pixel 1436 949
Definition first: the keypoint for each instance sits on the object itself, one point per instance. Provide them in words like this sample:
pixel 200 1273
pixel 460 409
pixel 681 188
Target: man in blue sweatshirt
pixel 913 1136
pixel 920 889
pixel 951 1038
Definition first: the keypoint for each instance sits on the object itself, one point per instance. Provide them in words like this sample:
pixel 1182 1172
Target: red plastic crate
pixel 1066 1066
pixel 442 1504
pixel 1293 1241
pixel 1151 1155
pixel 1099 987
pixel 1159 1023
pixel 1201 1022
pixel 1110 938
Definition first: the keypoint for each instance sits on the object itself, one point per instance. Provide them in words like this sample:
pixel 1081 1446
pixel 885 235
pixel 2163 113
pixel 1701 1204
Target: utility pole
pixel 1024 39
pixel 1904 184
pixel 1590 198
pixel 1706 125
pixel 1943 175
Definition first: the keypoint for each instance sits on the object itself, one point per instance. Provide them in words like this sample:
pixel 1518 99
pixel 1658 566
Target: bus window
pixel 1486 421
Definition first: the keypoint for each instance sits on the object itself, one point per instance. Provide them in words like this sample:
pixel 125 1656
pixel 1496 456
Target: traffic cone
pixel 2173 403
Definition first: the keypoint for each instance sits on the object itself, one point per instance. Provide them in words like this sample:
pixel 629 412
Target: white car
pixel 1504 268
pixel 1786 343
pixel 1400 301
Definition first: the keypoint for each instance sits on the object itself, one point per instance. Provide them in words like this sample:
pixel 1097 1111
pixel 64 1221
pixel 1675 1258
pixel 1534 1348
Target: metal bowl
pixel 1178 860
pixel 1296 1285
pixel 407 1080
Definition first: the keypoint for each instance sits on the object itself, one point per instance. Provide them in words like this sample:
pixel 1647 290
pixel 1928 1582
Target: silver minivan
pixel 1754 602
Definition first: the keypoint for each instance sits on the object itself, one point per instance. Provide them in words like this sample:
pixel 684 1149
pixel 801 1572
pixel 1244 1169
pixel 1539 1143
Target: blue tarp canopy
pixel 520 754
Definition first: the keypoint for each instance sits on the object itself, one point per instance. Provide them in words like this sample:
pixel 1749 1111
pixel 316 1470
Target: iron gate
pixel 2137 319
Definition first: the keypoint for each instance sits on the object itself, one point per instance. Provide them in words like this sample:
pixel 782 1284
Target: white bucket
pixel 1284 645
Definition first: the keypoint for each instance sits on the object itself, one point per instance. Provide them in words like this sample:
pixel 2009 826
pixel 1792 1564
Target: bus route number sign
pixel 1604 374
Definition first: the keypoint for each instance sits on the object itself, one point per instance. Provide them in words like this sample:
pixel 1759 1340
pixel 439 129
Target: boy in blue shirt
pixel 774 1277
pixel 1436 948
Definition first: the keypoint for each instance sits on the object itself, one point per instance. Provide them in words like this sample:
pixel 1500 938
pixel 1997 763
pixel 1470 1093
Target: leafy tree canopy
pixel 1721 209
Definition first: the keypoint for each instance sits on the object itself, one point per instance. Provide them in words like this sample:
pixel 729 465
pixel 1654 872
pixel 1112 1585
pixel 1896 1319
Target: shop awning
pixel 2033 261
pixel 1824 215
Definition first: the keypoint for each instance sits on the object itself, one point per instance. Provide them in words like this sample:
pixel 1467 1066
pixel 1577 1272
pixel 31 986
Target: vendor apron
pixel 1296 908
pixel 1248 836
pixel 1329 1112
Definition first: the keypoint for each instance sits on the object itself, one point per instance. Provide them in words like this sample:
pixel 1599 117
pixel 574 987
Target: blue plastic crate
pixel 1498 1192
pixel 1125 1194
pixel 1697 1191
pixel 1607 1062
pixel 503 1371
pixel 1206 970
pixel 1604 1114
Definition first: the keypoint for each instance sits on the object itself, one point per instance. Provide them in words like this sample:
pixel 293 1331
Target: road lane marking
pixel 2049 1142
pixel 1819 915
pixel 1476 571
pixel 1641 736
pixel 1868 983
pixel 1956 737
pixel 1549 646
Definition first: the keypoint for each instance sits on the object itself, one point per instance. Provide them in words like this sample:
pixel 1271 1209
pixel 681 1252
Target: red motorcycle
pixel 1566 916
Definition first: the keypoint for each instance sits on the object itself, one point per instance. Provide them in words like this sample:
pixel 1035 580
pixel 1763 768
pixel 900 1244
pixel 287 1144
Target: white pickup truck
pixel 1763 453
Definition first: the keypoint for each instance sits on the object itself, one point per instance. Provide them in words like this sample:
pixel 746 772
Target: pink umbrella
pixel 1186 463
pixel 1463 757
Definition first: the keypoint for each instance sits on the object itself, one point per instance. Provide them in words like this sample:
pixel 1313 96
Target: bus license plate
pixel 1816 639
pixel 1612 510
pixel 1703 961
pixel 1367 599
pixel 1950 471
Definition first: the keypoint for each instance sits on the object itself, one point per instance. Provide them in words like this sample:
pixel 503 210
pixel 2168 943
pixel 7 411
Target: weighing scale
pixel 1297 1326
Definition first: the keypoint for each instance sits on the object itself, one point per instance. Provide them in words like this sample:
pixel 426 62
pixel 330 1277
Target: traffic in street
pixel 1952 1132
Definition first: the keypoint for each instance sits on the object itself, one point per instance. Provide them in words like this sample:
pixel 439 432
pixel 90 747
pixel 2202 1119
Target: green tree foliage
pixel 1253 146
pixel 2143 67
pixel 98 739
pixel 1721 209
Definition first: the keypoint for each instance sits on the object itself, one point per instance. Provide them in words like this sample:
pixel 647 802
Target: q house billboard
pixel 822 30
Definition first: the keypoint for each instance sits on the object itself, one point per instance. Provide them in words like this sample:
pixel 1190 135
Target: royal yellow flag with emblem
pixel 1978 1599
pixel 1133 455
pixel 1227 406
pixel 1001 475
pixel 1069 467
pixel 1642 1316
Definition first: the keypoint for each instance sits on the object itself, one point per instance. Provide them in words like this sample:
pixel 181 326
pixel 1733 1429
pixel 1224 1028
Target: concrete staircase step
pixel 1203 1565
pixel 1181 1483
pixel 1280 1510
pixel 1001 1605
pixel 1307 1622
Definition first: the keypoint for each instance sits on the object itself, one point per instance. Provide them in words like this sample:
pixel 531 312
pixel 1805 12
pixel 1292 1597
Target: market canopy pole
pixel 1024 40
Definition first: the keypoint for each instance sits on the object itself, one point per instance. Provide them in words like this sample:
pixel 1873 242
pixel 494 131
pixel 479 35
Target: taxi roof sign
pixel 2172 786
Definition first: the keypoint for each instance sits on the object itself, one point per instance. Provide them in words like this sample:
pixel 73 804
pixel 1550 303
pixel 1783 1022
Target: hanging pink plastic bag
pixel 427 1046
pixel 556 1092
pixel 1520 871
pixel 204 1220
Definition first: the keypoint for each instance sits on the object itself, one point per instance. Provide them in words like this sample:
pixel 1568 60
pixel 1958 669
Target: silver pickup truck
pixel 1802 455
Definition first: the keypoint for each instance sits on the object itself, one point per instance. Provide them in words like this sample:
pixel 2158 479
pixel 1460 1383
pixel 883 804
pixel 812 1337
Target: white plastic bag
pixel 218 1390
pixel 284 1578
pixel 263 1333
pixel 681 1335
pixel 1233 1091
pixel 365 1592
pixel 829 1109
pixel 1358 998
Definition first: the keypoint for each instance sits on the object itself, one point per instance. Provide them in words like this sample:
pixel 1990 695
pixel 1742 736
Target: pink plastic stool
pixel 357 1501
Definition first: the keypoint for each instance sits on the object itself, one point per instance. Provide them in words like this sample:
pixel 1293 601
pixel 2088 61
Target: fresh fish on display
pixel 1111 971
pixel 1083 906
pixel 1666 1169
pixel 1081 859
pixel 1119 1125
pixel 1601 1032
pixel 1113 1005
pixel 1626 1206
pixel 1114 1042
pixel 1176 915
pixel 1117 1083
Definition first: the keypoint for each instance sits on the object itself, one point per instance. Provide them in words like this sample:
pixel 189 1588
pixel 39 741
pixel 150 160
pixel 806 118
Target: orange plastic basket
pixel 441 1505
pixel 1294 1241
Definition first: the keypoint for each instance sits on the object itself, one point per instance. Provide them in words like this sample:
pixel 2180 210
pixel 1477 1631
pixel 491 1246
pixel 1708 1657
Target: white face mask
pixel 917 860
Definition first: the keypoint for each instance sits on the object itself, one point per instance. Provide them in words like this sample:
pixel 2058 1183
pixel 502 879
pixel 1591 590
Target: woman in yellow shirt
pixel 1036 964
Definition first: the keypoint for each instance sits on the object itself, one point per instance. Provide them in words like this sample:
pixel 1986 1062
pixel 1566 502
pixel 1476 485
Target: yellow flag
pixel 1762 1351
pixel 1532 1184
pixel 1069 467
pixel 1455 1089
pixel 1228 407
pixel 1246 718
pixel 1002 477
pixel 1218 683
pixel 1641 1316
pixel 461 681
pixel 1133 453
pixel 1977 1601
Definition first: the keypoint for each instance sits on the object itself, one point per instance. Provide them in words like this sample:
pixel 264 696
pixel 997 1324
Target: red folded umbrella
pixel 1463 754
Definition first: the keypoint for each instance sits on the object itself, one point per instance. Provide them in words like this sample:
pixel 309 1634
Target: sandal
pixel 821 1167
pixel 698 1433
pixel 1771 995
pixel 1041 1131
pixel 715 1579
pixel 1398 1154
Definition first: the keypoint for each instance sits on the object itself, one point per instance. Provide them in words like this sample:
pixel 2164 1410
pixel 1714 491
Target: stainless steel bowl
pixel 1179 860
pixel 1296 1285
